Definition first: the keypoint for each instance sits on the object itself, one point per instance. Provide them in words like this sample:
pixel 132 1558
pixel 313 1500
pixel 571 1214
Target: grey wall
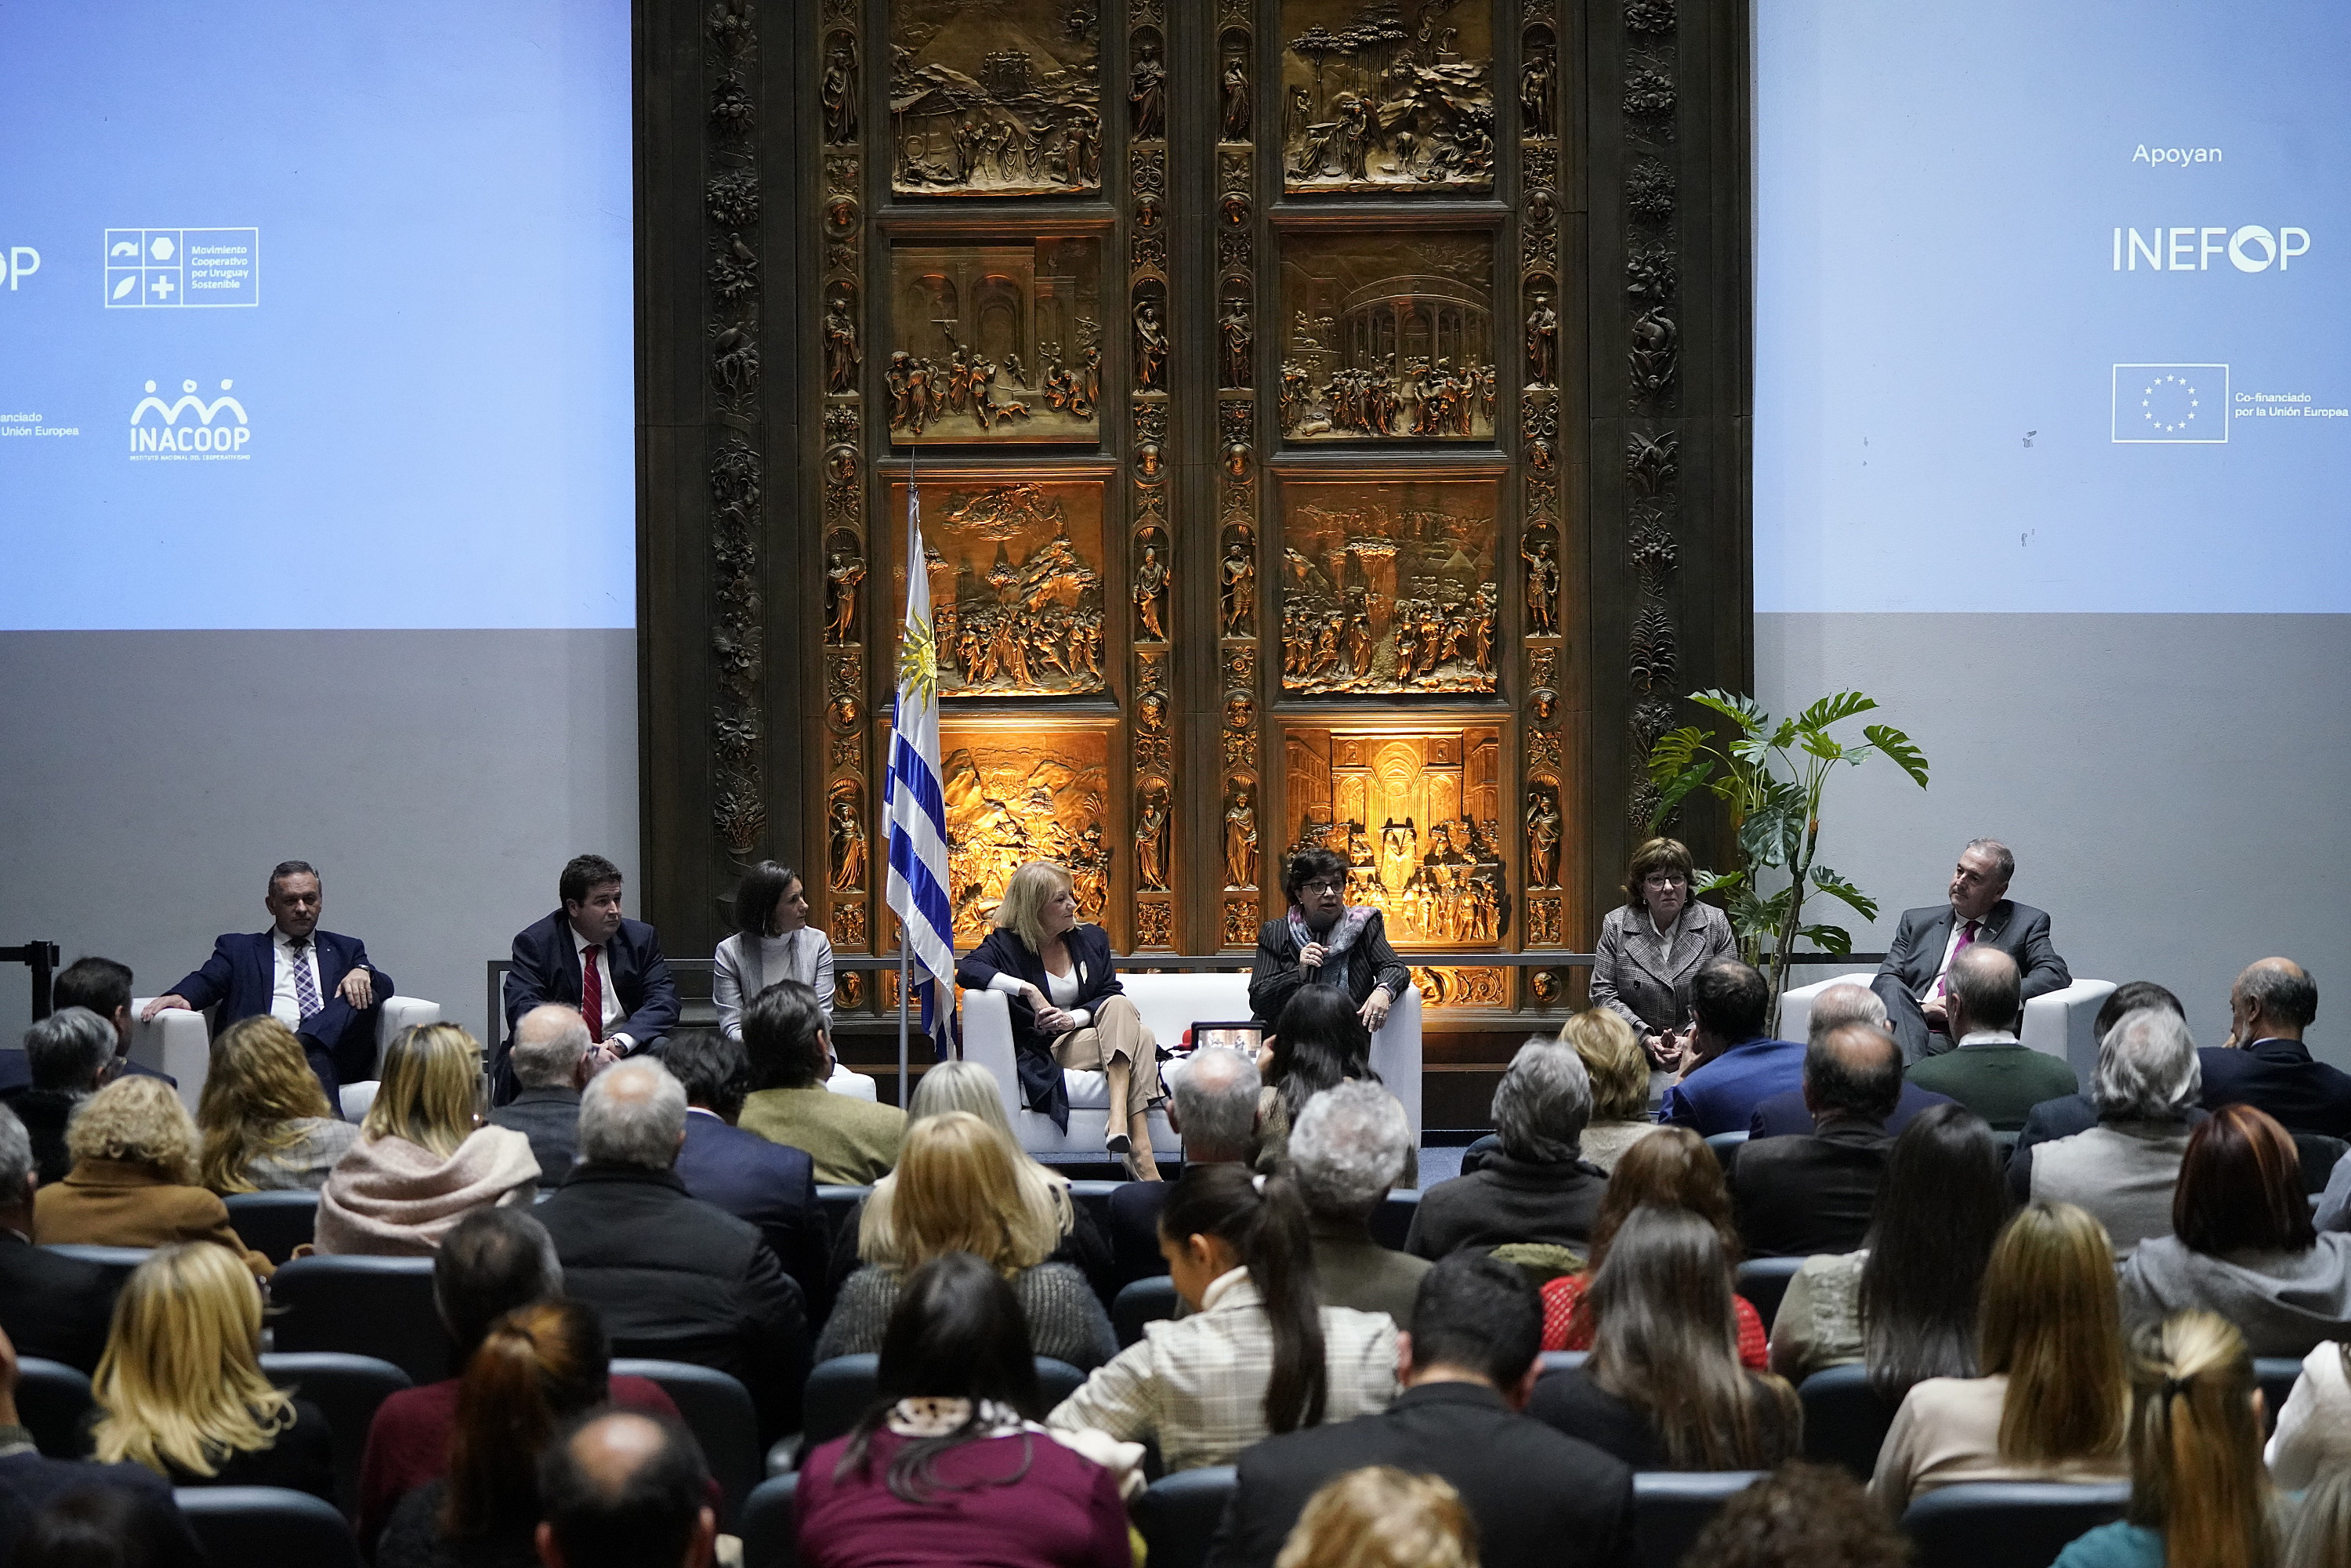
pixel 2173 786
pixel 438 780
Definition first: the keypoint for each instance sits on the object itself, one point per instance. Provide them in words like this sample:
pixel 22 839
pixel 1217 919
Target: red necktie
pixel 591 992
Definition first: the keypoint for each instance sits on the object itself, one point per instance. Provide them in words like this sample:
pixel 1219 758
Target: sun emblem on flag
pixel 918 661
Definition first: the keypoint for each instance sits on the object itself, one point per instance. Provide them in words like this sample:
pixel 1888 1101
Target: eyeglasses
pixel 1665 879
pixel 1327 884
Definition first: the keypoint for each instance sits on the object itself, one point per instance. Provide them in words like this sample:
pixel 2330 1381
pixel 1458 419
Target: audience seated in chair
pixel 2312 1440
pixel 1469 1365
pixel 2071 1114
pixel 2124 1169
pixel 133 1181
pixel 1346 1151
pixel 1664 1388
pixel 2241 1243
pixel 103 986
pixel 34 1488
pixel 105 1525
pixel 1619 1070
pixel 1735 1066
pixel 1672 1170
pixel 1939 1212
pixel 771 1185
pixel 961 1186
pixel 2265 1064
pixel 2198 1494
pixel 538 1367
pixel 1319 1043
pixel 1802 1515
pixel 2050 1400
pixel 1215 1110
pixel 676 1279
pixel 2321 1534
pixel 1988 1071
pixel 1538 1188
pixel 181 1389
pixel 70 1056
pixel 948 1465
pixel 492 1262
pixel 552 1060
pixel 53 1306
pixel 1834 1007
pixel 622 1490
pixel 265 1122
pixel 1811 1191
pixel 853 1142
pixel 1258 1354
pixel 421 1164
pixel 1381 1517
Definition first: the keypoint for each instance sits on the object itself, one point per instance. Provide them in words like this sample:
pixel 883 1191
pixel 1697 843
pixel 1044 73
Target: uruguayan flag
pixel 912 800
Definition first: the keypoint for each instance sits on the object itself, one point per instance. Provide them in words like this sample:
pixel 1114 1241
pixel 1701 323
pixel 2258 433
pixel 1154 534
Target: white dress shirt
pixel 613 1011
pixel 1059 989
pixel 284 1001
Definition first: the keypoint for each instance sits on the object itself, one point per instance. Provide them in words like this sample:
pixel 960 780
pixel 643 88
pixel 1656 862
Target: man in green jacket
pixel 1990 1073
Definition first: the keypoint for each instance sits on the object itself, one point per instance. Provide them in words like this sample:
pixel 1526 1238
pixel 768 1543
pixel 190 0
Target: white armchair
pixel 2062 1023
pixel 180 1043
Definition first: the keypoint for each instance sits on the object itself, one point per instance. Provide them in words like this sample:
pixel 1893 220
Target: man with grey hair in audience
pixel 1346 1151
pixel 1538 1188
pixel 1212 1106
pixel 552 1058
pixel 51 1305
pixel 1913 979
pixel 70 1057
pixel 2265 1064
pixel 676 1279
pixel 1834 1007
pixel 2123 1170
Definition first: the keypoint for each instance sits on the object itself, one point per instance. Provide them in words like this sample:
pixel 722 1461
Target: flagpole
pixel 903 990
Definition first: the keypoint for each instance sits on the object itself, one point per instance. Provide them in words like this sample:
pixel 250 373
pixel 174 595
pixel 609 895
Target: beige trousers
pixel 1117 1033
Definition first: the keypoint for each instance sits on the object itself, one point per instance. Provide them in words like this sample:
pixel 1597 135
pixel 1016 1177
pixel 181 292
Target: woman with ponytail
pixel 2199 1498
pixel 1258 1354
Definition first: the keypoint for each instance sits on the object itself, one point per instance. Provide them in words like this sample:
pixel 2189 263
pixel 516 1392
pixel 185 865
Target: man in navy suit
pixel 1837 1006
pixel 1910 980
pixel 587 955
pixel 1738 1066
pixel 320 984
pixel 771 1184
pixel 2265 1064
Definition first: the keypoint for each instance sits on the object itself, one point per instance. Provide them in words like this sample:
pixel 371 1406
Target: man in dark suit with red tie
pixel 320 984
pixel 1911 980
pixel 588 956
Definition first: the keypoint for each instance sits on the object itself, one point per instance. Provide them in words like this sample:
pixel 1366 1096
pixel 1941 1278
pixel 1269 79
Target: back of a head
pixel 536 1368
pixel 2196 1443
pixel 633 1114
pixel 964 1086
pixel 492 1262
pixel 181 1380
pixel 781 1027
pixel 1382 1517
pixel 17 1162
pixel 426 1094
pixel 1855 1071
pixel 102 985
pixel 1542 1103
pixel 1479 1314
pixel 259 1086
pixel 1669 1168
pixel 958 1189
pixel 1613 1059
pixel 1842 1004
pixel 958 1333
pixel 2281 991
pixel 2322 1525
pixel 1348 1148
pixel 1988 986
pixel 2240 1187
pixel 1938 1213
pixel 69 1050
pixel 1263 1221
pixel 138 1120
pixel 2129 997
pixel 1216 1103
pixel 1319 1040
pixel 2147 1069
pixel 1802 1515
pixel 2050 1319
pixel 1730 1000
pixel 624 1490
pixel 548 1042
pixel 104 1527
pixel 715 1071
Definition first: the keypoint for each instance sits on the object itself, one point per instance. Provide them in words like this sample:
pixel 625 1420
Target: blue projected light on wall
pixel 2053 307
pixel 316 315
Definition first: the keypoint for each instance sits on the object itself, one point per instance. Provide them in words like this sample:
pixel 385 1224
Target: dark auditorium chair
pixel 273 1223
pixel 346 1389
pixel 1671 1507
pixel 2276 1375
pixel 2008 1524
pixel 1763 1280
pixel 2319 1155
pixel 1093 1197
pixel 718 1412
pixel 838 1203
pixel 118 1261
pixel 1142 1301
pixel 365 1306
pixel 268 1524
pixel 770 1526
pixel 1392 1221
pixel 1726 1147
pixel 841 1390
pixel 1178 1515
pixel 1845 1420
pixel 51 1400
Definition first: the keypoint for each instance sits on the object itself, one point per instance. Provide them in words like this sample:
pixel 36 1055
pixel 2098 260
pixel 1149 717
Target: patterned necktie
pixel 591 992
pixel 306 989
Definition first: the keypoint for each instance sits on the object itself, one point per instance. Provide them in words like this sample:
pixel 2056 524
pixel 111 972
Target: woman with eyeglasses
pixel 1652 944
pixel 1323 941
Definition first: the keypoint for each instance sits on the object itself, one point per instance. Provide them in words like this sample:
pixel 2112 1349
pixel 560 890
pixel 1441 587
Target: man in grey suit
pixel 1911 980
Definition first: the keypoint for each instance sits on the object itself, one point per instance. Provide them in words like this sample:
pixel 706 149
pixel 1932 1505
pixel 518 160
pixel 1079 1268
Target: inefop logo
pixel 190 428
pixel 18 262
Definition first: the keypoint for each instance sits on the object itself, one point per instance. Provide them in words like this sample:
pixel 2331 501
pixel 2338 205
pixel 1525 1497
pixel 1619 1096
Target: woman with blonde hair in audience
pixel 133 1181
pixel 2052 1398
pixel 2199 1497
pixel 2321 1537
pixel 1612 1054
pixel 424 1160
pixel 1258 1354
pixel 265 1118
pixel 1673 1170
pixel 959 1188
pixel 181 1390
pixel 1382 1517
pixel 1664 1388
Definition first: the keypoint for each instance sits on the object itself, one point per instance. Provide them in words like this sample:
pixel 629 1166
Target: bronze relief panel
pixel 1387 335
pixel 1018 795
pixel 1392 95
pixel 1016 584
pixel 1416 814
pixel 995 97
pixel 995 341
pixel 1388 585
